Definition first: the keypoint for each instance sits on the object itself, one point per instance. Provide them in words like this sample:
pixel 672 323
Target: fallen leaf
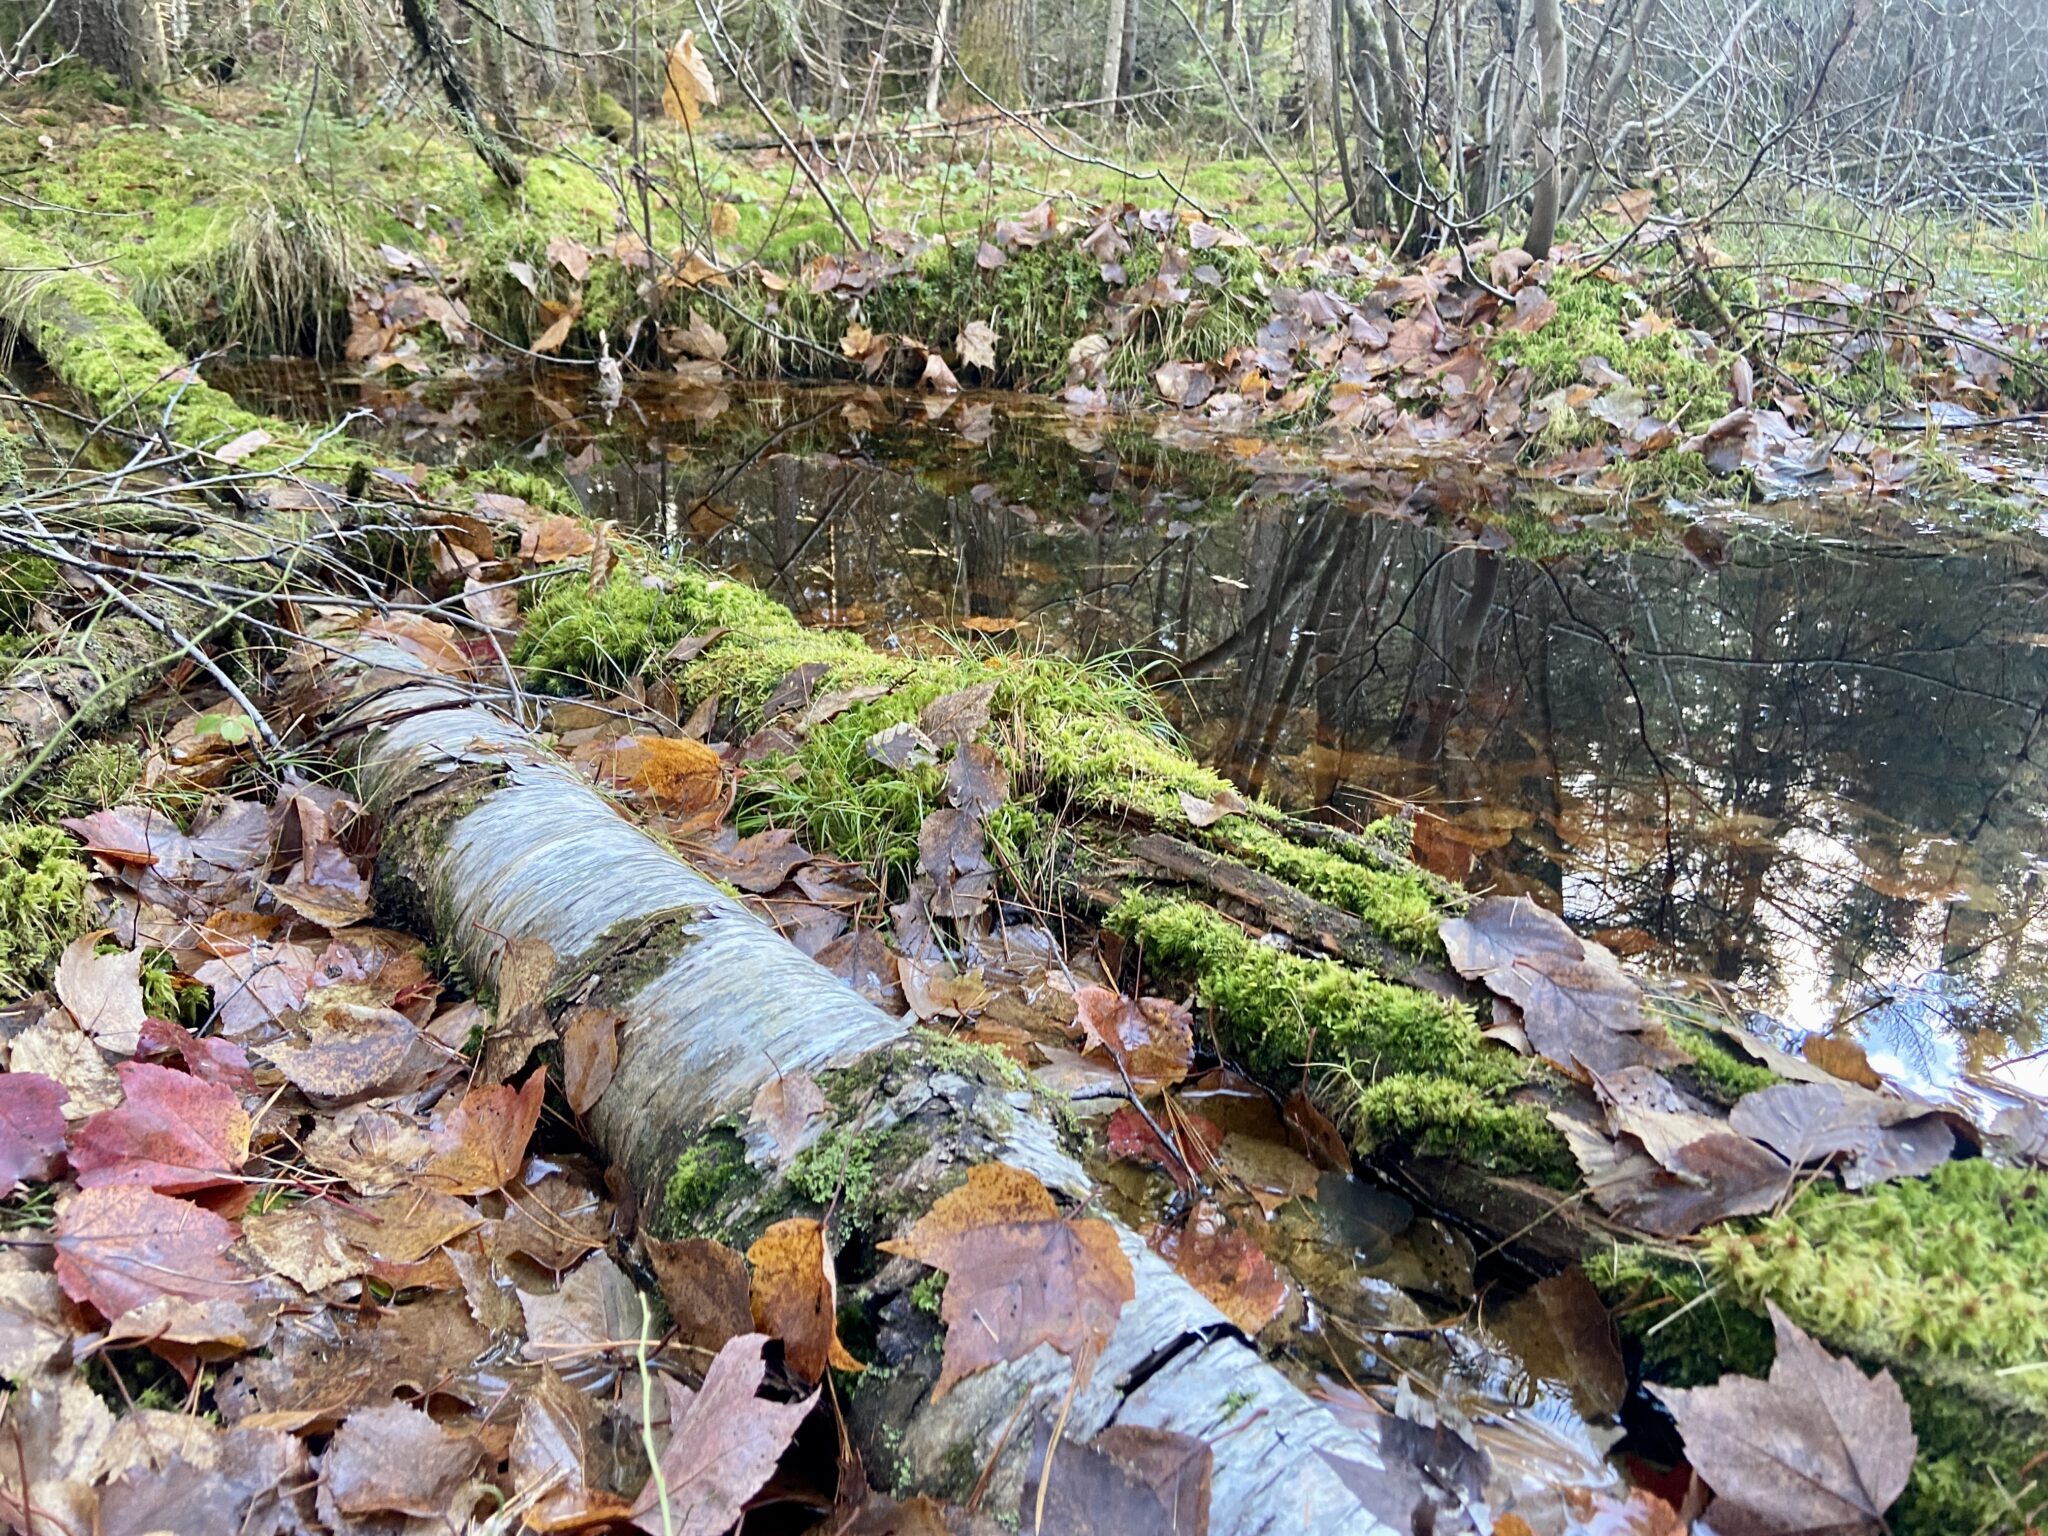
pixel 1196 1139
pixel 239 448
pixel 1223 1262
pixel 673 774
pixel 395 1459
pixel 977 345
pixel 953 851
pixel 794 1297
pixel 526 972
pixel 976 780
pixel 901 746
pixel 1818 1446
pixel 32 1129
pixel 571 255
pixel 1317 1132
pixel 122 1247
pixel 553 1220
pixel 55 1048
pixel 937 377
pixel 356 1052
pixel 210 1059
pixel 557 1444
pixel 955 719
pixel 784 1109
pixel 707 1290
pixel 1206 813
pixel 103 993
pixel 722 1447
pixel 480 1145
pixel 1130 1480
pixel 1153 1039
pixel 590 1054
pixel 1580 1011
pixel 374 1150
pixel 171 1132
pixel 1843 1058
pixel 1018 1273
pixel 595 1308
pixel 1588 1340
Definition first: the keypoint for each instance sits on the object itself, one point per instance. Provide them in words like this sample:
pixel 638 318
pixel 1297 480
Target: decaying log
pixel 491 839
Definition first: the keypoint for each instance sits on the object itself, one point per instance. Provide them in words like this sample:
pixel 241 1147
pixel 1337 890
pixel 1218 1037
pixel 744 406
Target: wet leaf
pixel 590 1054
pixel 554 1220
pixel 687 87
pixel 1587 1338
pixel 526 973
pixel 481 1144
pixel 1226 1264
pixel 1018 1273
pixel 707 1290
pixel 784 1109
pixel 210 1059
pixel 901 746
pixel 976 780
pixel 56 1427
pixel 1580 1011
pixel 723 1444
pixel 1809 1122
pixel 395 1459
pixel 953 851
pixel 120 1248
pixel 557 1443
pixel 1705 1181
pixel 865 963
pixel 103 993
pixel 1196 1138
pixel 32 1129
pixel 1818 1446
pixel 171 1132
pixel 1843 1058
pixel 1153 1039
pixel 794 1297
pixel 374 1150
pixel 354 1053
pixel 594 1309
pixel 1316 1132
pixel 1130 1480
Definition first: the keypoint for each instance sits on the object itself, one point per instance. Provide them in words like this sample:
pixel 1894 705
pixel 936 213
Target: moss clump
pixel 1398 904
pixel 42 903
pixel 97 775
pixel 839 1166
pixel 1598 317
pixel 24 581
pixel 1718 1072
pixel 1419 1071
pixel 704 1171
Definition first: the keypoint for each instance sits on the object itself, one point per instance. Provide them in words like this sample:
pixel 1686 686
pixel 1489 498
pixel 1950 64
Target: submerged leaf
pixel 723 1444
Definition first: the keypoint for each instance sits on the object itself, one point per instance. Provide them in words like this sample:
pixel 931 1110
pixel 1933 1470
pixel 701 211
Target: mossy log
pixel 488 838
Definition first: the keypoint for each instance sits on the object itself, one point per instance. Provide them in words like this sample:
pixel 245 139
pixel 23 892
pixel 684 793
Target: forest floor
pixel 305 1136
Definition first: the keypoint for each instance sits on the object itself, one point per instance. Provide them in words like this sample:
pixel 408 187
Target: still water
pixel 1793 751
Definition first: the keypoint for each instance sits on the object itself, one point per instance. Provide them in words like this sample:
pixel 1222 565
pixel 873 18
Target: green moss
pixel 1718 1072
pixel 838 1167
pixel 929 1292
pixel 704 1172
pixel 25 580
pixel 98 775
pixel 42 903
pixel 1398 904
pixel 1416 1065
pixel 1594 318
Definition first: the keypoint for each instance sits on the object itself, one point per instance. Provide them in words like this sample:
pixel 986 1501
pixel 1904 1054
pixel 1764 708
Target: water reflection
pixel 1798 754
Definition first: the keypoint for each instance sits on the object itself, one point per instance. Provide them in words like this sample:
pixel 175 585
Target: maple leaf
pixel 977 345
pixel 103 993
pixel 723 1444
pixel 1223 1262
pixel 1196 1140
pixel 706 1287
pixel 122 1247
pixel 481 1143
pixel 1817 1446
pixel 794 1297
pixel 1130 1480
pixel 171 1132
pixel 31 1129
pixel 1152 1039
pixel 1018 1273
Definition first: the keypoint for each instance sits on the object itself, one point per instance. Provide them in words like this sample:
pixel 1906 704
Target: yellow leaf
pixel 725 220
pixel 690 87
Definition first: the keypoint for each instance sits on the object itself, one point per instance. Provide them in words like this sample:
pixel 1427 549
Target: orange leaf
pixel 481 1144
pixel 794 1297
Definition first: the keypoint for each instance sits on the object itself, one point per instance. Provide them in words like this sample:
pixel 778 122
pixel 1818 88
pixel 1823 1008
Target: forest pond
pixel 1788 749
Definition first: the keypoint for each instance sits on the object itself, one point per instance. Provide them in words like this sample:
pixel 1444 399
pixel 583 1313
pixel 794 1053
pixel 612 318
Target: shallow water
pixel 1793 751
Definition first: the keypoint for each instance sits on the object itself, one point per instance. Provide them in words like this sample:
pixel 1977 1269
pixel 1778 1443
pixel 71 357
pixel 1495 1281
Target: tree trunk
pixel 488 838
pixel 990 54
pixel 1310 63
pixel 123 37
pixel 1127 61
pixel 493 50
pixel 1113 56
pixel 438 49
pixel 1549 22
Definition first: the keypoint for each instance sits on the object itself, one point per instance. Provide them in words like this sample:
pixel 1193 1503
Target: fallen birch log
pixel 488 839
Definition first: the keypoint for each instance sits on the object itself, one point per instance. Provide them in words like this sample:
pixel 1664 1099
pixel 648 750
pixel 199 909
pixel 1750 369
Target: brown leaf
pixel 794 1297
pixel 1588 1341
pixel 707 1290
pixel 676 776
pixel 123 1247
pixel 171 1132
pixel 976 780
pixel 1843 1058
pixel 56 1427
pixel 723 1444
pixel 1226 1264
pixel 864 962
pixel 526 973
pixel 953 851
pixel 955 719
pixel 1130 1480
pixel 1704 1181
pixel 32 1129
pixel 590 1054
pixel 375 1150
pixel 1581 1012
pixel 553 1220
pixel 1818 1446
pixel 1206 813
pixel 103 993
pixel 1153 1039
pixel 1317 1133
pixel 319 1242
pixel 937 377
pixel 481 1143
pixel 687 87
pixel 1196 1138
pixel 786 1106
pixel 395 1459
pixel 977 345
pixel 595 1308
pixel 355 1052
pixel 557 1443
pixel 55 1048
pixel 1018 1273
